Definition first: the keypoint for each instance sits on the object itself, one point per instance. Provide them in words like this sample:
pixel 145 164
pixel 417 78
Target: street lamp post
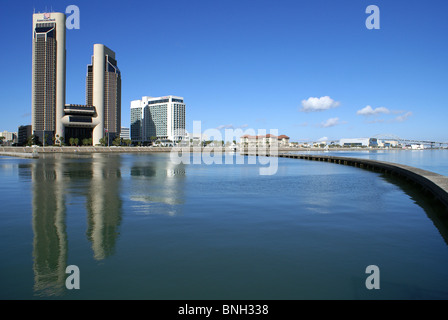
pixel 107 131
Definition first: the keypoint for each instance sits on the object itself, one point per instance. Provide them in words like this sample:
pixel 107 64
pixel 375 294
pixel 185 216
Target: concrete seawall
pixel 41 150
pixel 33 155
pixel 431 182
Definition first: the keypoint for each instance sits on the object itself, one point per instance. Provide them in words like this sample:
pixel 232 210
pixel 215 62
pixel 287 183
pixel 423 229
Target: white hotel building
pixel 162 118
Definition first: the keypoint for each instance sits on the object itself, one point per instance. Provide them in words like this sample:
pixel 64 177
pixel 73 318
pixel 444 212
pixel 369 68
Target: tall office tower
pixel 48 75
pixel 161 118
pixel 103 90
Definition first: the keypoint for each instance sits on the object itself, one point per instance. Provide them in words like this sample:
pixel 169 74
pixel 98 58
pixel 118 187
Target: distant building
pixel 388 143
pixel 10 137
pixel 264 140
pixel 195 138
pixel 125 134
pixel 355 142
pixel 23 134
pixel 161 118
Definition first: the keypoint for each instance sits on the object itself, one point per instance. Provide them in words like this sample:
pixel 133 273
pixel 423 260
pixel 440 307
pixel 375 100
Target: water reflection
pixel 157 187
pixel 434 209
pixel 53 180
pixel 104 205
pixel 50 236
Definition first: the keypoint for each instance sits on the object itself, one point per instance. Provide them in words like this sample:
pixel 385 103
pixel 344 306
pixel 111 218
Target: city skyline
pixel 310 70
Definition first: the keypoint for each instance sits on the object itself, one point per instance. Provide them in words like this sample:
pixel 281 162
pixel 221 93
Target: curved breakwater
pixel 431 182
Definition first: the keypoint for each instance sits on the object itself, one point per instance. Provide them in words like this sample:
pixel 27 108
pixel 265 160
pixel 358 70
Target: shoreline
pixel 25 151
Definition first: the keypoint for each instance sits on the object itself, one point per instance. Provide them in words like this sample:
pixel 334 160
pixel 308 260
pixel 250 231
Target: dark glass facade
pixel 44 71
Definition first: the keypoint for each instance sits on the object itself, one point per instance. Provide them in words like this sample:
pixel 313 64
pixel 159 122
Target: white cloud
pixel 330 123
pixel 323 139
pixel 403 117
pixel 318 104
pixel 369 111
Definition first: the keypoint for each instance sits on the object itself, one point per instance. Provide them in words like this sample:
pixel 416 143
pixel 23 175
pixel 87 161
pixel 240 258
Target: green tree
pixel 103 141
pixel 35 140
pixel 76 141
pixel 1 140
pixel 116 142
pixel 71 141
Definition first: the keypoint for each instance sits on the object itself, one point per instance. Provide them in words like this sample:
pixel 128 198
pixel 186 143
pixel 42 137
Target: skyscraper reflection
pixel 96 178
pixel 104 205
pixel 50 236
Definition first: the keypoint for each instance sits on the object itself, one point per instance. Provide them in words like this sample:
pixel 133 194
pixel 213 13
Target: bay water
pixel 139 226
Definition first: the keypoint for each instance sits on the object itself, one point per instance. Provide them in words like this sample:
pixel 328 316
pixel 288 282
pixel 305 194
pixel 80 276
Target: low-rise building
pixel 9 137
pixel 359 142
pixel 125 134
pixel 264 140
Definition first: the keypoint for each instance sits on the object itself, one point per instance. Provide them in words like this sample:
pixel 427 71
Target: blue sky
pixel 310 69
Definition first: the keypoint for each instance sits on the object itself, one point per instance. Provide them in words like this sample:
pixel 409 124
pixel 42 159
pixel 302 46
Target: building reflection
pixel 104 205
pixel 50 236
pixel 157 187
pixel 97 179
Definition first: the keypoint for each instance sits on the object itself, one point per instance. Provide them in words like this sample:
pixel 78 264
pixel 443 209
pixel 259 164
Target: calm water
pixel 141 227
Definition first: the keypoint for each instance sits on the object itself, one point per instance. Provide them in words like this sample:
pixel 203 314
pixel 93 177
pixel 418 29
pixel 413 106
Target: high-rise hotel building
pixel 103 90
pixel 48 74
pixel 160 118
pixel 51 117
